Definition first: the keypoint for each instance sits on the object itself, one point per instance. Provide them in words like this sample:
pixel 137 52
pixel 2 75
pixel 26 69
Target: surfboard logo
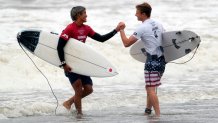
pixel 174 43
pixel 110 69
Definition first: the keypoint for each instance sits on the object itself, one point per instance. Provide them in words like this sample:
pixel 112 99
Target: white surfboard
pixel 82 58
pixel 176 44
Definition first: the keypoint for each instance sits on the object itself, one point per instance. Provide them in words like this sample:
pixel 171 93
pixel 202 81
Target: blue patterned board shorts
pixel 154 69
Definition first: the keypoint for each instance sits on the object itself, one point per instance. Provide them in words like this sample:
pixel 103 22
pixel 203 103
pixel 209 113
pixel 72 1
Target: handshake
pixel 120 26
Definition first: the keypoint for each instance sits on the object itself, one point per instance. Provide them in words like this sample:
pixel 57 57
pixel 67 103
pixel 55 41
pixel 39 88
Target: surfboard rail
pixel 176 44
pixel 82 58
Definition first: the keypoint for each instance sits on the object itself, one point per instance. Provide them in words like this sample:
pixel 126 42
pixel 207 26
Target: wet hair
pixel 144 8
pixel 75 11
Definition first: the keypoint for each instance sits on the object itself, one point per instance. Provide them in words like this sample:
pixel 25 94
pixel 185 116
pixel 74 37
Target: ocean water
pixel 25 95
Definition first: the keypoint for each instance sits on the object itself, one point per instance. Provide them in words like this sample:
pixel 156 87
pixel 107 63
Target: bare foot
pixel 146 114
pixel 79 115
pixel 67 105
pixel 157 116
pixel 154 117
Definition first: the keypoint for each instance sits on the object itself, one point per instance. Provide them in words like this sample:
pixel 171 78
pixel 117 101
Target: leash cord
pixel 44 77
pixel 187 60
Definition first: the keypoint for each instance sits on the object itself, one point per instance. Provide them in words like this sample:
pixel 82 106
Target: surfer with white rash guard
pixel 81 84
pixel 150 32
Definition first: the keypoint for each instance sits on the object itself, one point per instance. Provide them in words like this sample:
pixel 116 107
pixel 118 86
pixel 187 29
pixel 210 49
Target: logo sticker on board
pixel 110 70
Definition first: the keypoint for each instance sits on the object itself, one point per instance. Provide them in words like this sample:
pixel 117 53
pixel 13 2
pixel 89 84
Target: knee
pixel 151 93
pixel 89 90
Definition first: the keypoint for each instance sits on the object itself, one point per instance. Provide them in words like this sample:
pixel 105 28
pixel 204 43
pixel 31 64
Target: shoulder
pixel 70 26
pixel 87 27
pixel 160 25
pixel 89 30
pixel 157 22
pixel 143 27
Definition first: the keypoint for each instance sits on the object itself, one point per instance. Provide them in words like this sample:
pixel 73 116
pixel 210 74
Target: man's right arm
pixel 61 44
pixel 127 41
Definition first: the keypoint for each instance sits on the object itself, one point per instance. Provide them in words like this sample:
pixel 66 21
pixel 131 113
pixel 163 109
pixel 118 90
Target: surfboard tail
pixel 28 39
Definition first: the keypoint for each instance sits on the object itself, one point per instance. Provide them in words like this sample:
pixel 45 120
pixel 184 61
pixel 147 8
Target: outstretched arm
pixel 126 41
pixel 103 38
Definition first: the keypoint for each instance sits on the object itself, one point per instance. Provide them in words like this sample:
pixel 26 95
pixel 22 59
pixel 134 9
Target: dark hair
pixel 144 8
pixel 75 11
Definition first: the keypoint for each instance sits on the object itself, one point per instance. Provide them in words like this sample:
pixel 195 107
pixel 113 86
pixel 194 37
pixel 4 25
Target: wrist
pixel 115 30
pixel 122 31
pixel 63 63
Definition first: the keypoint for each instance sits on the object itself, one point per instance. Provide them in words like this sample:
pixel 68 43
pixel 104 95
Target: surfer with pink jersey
pixel 81 84
pixel 150 32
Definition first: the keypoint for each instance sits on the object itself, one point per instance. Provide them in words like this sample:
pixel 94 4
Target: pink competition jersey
pixel 77 32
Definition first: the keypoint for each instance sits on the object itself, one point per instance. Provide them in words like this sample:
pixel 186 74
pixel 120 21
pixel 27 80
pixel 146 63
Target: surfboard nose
pixel 28 39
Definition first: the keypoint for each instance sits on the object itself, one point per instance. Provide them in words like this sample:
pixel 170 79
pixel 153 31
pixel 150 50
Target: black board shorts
pixel 73 77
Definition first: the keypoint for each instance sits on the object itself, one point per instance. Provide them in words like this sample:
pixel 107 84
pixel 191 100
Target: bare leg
pixel 67 104
pixel 153 100
pixel 148 107
pixel 77 86
pixel 87 89
pixel 85 92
